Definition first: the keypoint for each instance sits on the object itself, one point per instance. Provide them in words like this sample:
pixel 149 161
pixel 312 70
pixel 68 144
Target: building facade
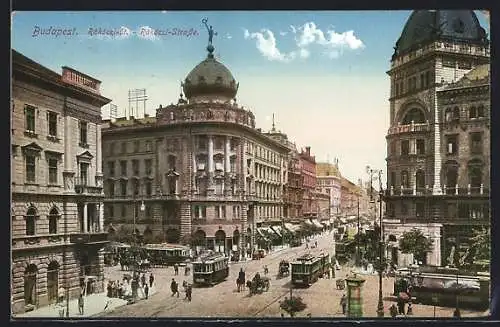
pixel 438 157
pixel 56 220
pixel 307 163
pixel 329 182
pixel 200 169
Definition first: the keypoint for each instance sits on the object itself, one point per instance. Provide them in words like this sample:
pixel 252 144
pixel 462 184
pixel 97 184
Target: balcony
pixel 89 238
pixel 83 187
pixel 450 191
pixel 412 128
pixel 36 241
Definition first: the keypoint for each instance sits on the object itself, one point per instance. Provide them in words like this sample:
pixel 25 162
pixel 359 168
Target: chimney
pixel 308 150
pixel 336 163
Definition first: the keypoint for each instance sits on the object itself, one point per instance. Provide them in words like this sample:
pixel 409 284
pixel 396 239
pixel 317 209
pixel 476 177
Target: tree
pixel 416 243
pixel 293 305
pixel 481 244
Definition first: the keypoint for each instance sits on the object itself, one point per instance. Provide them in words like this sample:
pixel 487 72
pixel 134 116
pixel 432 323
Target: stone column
pixel 98 156
pixel 195 169
pixel 68 155
pixel 101 217
pixel 436 189
pixel 85 217
pixel 210 163
pixel 185 219
pixel 227 167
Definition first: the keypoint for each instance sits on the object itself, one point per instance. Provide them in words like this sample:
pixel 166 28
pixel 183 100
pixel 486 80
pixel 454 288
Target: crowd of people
pixel 129 287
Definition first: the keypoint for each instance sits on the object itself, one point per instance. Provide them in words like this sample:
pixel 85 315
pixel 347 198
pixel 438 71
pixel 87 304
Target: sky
pixel 321 73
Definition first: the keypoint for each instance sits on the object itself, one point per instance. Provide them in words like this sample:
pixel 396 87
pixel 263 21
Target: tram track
pixel 270 303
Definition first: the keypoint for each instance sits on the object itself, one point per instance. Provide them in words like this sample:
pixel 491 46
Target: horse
pixel 240 282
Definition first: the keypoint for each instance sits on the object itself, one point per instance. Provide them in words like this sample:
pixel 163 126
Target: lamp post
pixel 358 236
pixel 372 172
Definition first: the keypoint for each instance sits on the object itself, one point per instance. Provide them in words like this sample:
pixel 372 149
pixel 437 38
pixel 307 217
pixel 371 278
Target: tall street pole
pixel 380 306
pixel 357 242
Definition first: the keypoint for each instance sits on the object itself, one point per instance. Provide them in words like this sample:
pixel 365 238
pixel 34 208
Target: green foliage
pixel 293 305
pixel 416 243
pixel 481 244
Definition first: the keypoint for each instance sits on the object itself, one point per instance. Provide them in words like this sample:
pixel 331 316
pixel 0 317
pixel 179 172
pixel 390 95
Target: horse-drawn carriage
pixel 258 285
pixel 284 268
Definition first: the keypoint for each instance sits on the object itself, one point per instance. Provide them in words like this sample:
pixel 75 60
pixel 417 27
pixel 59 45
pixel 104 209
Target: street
pixel 223 300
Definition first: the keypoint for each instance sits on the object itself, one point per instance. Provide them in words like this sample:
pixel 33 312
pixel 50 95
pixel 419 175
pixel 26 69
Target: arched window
pixel 404 179
pixel 171 162
pixel 53 281
pixel 53 218
pixel 30 284
pixel 448 115
pixel 472 112
pixel 30 221
pixel 414 115
pixel 456 113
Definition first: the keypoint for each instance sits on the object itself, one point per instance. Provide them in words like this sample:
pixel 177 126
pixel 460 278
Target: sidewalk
pixel 94 304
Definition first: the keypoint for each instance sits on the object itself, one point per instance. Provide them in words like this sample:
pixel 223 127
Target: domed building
pixel 438 143
pixel 201 170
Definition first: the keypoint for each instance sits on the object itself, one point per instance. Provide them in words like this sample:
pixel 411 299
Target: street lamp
pixel 371 172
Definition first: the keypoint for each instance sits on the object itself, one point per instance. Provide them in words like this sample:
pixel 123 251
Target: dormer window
pixel 201 79
pixel 218 80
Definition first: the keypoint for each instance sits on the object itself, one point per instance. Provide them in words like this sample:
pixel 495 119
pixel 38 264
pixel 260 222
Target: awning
pixel 317 223
pixel 326 223
pixel 277 230
pixel 308 222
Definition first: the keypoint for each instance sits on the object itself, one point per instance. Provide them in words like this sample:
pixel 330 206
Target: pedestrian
pixel 343 303
pixel 401 306
pixel 81 304
pixel 146 291
pixel 393 310
pixel 143 280
pixel 174 287
pixel 151 280
pixel 189 292
pixel 266 270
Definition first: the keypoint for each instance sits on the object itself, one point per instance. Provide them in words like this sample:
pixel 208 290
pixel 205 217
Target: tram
pixel 210 270
pixel 166 254
pixel 307 269
pixel 449 290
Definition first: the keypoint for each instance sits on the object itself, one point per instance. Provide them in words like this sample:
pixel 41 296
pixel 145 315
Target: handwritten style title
pixel 121 32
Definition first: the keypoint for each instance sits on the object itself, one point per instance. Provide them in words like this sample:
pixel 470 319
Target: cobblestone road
pixel 223 300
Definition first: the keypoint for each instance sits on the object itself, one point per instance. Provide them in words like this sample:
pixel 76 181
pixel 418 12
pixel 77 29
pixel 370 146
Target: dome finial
pixel 211 33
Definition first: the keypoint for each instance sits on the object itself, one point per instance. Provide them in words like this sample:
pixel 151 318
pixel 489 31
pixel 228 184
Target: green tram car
pixel 210 270
pixel 441 289
pixel 307 269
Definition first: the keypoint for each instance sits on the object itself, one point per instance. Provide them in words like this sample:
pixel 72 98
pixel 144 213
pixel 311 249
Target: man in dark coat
pixel 151 280
pixel 174 287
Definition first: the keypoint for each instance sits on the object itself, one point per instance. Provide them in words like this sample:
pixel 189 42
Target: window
pixel 223 211
pixel 404 208
pixel 136 146
pixel 420 147
pixel 53 218
pixel 464 65
pixel 456 114
pixel 480 111
pixel 149 188
pixel 111 149
pixel 420 180
pixel 149 146
pixel 415 116
pixel 111 188
pixel 393 179
pixel 52 121
pixel 420 209
pixel 404 179
pixel 30 168
pixel 448 115
pixel 135 167
pixel 452 144
pixel 111 168
pixel 30 221
pixel 52 171
pixel 123 187
pixel 451 178
pixel 233 145
pixel 219 143
pixel 111 210
pixel 475 175
pixel 405 147
pixel 476 143
pixel 123 167
pixel 123 148
pixel 217 212
pixel 83 133
pixel 29 116
pixel 422 80
pixel 202 143
pixel 171 162
pixel 136 186
pixel 472 112
pixel 123 210
pixel 148 163
pixel 392 148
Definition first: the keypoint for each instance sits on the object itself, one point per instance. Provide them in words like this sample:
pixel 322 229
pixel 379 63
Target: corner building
pixel 438 157
pixel 57 219
pixel 204 173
